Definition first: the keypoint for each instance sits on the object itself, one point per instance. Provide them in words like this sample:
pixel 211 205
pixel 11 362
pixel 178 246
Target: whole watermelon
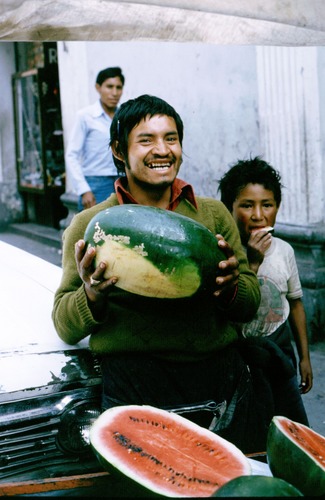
pixel 155 252
pixel 257 486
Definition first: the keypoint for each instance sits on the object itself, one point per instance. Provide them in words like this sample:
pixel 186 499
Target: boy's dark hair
pixel 252 171
pixel 130 113
pixel 110 73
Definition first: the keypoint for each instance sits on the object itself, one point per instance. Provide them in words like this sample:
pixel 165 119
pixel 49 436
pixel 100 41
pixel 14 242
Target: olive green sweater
pixel 183 329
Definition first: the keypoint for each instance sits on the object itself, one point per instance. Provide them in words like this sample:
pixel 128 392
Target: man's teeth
pixel 159 166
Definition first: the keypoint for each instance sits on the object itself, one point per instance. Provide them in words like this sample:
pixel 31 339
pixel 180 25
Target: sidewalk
pixel 314 401
pixel 44 243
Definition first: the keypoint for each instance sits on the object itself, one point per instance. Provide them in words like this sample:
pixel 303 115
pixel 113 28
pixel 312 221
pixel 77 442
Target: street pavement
pixel 314 401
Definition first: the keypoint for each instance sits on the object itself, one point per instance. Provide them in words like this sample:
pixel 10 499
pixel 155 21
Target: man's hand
pixel 96 286
pixel 88 199
pixel 227 280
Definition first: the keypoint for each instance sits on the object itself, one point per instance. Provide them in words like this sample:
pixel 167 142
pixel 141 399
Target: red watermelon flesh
pixel 311 441
pixel 165 452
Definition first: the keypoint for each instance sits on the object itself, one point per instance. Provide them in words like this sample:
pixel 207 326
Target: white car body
pixel 50 391
pixel 27 294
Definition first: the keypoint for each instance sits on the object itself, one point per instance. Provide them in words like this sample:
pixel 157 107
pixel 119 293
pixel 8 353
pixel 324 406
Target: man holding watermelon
pixel 181 353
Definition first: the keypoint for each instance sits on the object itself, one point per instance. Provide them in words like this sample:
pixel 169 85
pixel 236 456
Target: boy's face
pixel 254 208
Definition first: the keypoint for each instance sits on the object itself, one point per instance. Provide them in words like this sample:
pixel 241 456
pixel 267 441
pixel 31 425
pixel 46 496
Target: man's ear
pixel 115 147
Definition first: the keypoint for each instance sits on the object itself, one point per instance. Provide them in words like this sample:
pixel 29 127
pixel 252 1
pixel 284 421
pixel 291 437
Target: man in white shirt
pixel 89 161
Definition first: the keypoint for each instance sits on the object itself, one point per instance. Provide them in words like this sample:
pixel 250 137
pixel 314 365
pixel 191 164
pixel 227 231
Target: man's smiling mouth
pixel 159 166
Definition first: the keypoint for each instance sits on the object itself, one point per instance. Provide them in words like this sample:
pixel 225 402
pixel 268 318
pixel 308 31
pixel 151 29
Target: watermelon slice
pixel 164 452
pixel 296 454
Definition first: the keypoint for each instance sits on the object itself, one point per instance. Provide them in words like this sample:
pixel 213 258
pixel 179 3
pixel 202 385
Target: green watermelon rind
pixel 257 486
pixel 289 461
pixel 183 251
pixel 111 461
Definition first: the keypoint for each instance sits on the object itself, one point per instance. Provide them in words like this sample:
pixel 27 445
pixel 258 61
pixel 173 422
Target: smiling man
pixel 168 353
pixel 153 160
pixel 147 149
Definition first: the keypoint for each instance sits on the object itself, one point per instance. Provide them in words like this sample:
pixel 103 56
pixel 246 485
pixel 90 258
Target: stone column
pixel 290 126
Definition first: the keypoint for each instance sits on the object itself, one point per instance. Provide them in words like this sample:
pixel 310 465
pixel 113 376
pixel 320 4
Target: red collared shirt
pixel 180 190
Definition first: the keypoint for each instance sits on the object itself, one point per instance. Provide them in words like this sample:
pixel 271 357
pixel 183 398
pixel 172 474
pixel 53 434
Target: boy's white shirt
pixel 279 280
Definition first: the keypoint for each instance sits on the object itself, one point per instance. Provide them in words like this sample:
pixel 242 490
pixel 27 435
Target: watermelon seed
pixel 126 443
pixel 156 424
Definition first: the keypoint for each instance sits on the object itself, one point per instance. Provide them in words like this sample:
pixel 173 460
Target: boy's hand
pixel 257 245
pixel 306 374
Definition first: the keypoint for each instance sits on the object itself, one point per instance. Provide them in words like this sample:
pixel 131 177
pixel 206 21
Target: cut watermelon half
pixel 165 452
pixel 296 454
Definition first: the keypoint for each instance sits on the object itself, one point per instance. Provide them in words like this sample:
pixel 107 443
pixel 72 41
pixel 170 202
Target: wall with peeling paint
pixel 214 89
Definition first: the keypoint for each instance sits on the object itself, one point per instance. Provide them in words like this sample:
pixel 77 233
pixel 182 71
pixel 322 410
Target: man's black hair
pixel 252 171
pixel 129 115
pixel 110 73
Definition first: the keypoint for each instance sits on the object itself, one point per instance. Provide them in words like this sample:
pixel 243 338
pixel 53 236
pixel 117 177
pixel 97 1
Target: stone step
pixel 43 234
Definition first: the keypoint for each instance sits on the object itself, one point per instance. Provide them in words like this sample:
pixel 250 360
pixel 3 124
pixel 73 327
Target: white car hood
pixel 28 284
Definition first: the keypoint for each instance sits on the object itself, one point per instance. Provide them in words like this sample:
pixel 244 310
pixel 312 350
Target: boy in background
pixel 251 190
